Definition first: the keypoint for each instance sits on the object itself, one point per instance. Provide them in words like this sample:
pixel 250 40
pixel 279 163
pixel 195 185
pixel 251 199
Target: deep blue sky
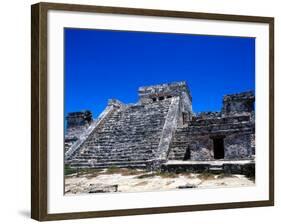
pixel 101 64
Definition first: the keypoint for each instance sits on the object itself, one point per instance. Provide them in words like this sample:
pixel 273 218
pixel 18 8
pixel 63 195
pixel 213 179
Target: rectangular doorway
pixel 187 154
pixel 218 146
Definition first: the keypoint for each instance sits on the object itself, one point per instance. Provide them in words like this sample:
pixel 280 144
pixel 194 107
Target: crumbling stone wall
pixel 201 148
pixel 77 123
pixel 150 94
pixel 238 146
pixel 237 133
pixel 238 103
pixel 76 119
pixel 235 125
pixel 206 115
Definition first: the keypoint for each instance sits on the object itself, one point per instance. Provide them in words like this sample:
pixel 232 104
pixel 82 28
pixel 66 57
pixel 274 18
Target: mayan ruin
pixel 161 132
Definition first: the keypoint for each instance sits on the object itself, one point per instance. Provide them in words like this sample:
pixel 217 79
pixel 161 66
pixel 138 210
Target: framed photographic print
pixel 140 111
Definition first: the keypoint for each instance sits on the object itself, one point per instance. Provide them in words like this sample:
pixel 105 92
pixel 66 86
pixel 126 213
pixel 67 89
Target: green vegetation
pixel 123 171
pixel 68 170
pixel 92 172
pixel 130 171
pixel 112 170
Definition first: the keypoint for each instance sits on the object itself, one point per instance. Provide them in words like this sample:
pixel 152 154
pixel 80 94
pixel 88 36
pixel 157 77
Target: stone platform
pixel 212 166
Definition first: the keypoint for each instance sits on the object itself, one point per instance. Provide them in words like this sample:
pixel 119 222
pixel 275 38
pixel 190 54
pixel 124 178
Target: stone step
pixel 135 164
pixel 129 134
pixel 216 169
pixel 109 158
pixel 124 153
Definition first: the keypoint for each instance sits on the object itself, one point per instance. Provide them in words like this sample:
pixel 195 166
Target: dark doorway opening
pixel 218 148
pixel 187 154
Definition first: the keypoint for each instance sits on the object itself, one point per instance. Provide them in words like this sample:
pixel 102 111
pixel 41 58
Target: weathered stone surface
pixel 77 123
pixel 245 167
pixel 238 103
pixel 78 119
pixel 237 132
pixel 169 128
pixel 81 139
pixel 162 126
pixel 238 146
pixel 128 137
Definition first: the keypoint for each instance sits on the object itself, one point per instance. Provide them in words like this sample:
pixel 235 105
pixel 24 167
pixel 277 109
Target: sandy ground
pixel 145 181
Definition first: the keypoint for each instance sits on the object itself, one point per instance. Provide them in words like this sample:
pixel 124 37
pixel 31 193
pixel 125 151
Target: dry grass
pixel 129 172
pixel 169 182
pixel 224 175
pixel 90 173
pixel 206 176
pixel 167 174
pixel 141 183
pixel 223 184
pixel 160 174
pixel 146 175
pixel 123 171
pixel 79 172
pixel 112 170
pixel 186 174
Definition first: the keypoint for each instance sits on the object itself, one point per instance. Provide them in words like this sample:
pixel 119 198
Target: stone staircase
pixel 128 137
pixel 216 169
pixel 179 144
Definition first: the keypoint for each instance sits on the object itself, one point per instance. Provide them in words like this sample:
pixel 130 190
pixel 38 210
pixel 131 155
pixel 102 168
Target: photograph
pixel 157 111
pixel 138 111
pixel 135 111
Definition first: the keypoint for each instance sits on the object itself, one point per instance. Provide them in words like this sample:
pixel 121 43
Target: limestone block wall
pixel 81 118
pixel 77 123
pixel 195 141
pixel 150 94
pixel 253 143
pixel 238 103
pixel 73 133
pixel 201 148
pixel 238 146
